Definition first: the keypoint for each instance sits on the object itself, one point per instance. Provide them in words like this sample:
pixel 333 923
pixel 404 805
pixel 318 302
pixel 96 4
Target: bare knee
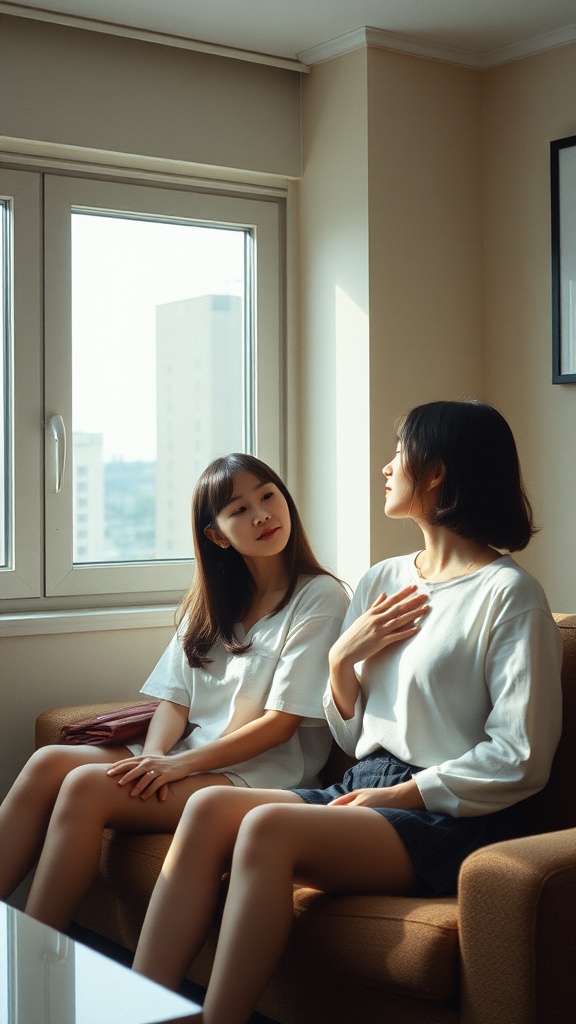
pixel 208 809
pixel 210 820
pixel 87 786
pixel 48 766
pixel 266 831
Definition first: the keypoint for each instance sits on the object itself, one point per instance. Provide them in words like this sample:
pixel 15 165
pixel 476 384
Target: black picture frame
pixel 563 199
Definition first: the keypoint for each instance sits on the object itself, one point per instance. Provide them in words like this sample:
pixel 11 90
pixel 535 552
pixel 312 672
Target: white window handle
pixel 58 429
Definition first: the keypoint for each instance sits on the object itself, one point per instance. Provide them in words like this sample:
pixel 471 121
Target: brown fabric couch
pixel 502 952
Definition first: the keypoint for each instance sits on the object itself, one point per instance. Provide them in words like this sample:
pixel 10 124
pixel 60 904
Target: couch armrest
pixel 49 723
pixel 518 931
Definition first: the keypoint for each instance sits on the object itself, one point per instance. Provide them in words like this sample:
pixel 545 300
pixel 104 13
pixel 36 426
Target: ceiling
pixel 474 32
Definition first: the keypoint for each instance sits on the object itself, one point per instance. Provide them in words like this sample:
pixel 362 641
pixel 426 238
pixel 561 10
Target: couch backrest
pixel 555 806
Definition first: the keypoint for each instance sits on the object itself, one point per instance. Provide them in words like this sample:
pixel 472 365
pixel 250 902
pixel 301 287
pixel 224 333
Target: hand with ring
pixel 146 781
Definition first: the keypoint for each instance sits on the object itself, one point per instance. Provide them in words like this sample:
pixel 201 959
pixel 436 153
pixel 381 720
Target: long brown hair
pixel 223 588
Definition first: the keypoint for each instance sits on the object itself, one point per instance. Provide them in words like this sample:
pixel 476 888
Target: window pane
pixel 5 483
pixel 159 361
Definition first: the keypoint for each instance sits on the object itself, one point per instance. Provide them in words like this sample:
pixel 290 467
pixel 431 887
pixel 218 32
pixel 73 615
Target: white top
pixel 474 698
pixel 285 669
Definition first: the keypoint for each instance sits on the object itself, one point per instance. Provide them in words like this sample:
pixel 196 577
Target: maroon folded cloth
pixel 112 727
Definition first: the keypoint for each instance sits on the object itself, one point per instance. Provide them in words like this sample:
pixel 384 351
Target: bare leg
pixel 89 801
pixel 277 844
pixel 185 896
pixel 26 810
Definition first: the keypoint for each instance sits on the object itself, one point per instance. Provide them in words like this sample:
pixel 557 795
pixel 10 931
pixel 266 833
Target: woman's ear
pixel 216 537
pixel 436 476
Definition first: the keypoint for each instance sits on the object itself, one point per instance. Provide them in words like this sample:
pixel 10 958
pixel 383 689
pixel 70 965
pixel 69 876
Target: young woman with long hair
pixel 240 689
pixel 444 684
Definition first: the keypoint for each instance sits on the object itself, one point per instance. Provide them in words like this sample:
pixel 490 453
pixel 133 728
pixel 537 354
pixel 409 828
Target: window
pixel 148 293
pixel 5 305
pixel 162 331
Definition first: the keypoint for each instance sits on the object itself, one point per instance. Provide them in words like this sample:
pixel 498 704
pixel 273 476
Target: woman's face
pixel 402 498
pixel 256 520
pixel 399 492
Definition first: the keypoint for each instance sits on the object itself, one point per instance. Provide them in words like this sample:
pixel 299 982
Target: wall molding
pixel 306 59
pixel 146 36
pixel 399 43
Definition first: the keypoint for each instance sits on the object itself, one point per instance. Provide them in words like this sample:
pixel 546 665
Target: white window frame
pixel 22 578
pixel 48 568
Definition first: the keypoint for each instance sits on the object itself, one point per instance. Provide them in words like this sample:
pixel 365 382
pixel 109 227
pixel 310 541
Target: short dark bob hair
pixel 481 496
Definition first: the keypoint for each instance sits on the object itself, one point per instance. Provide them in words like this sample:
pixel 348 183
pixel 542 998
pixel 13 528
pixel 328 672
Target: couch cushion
pixel 117 901
pixel 132 861
pixel 404 945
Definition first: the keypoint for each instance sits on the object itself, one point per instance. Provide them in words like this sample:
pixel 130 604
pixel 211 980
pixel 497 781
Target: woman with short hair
pixel 444 684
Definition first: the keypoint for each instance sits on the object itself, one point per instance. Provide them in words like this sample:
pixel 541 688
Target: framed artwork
pixel 563 196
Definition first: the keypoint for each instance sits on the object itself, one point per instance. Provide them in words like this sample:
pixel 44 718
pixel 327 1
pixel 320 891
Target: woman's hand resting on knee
pixel 149 774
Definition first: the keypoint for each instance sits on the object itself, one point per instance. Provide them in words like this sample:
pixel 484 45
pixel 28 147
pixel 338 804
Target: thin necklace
pixel 456 577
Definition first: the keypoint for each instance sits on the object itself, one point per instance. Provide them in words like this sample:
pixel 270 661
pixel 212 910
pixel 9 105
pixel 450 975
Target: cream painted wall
pixel 334 478
pixel 526 105
pixel 392 310
pixel 102 92
pixel 425 257
pixel 40 672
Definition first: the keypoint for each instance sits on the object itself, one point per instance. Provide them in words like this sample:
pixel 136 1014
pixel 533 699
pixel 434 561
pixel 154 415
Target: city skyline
pixel 123 269
pixel 137 509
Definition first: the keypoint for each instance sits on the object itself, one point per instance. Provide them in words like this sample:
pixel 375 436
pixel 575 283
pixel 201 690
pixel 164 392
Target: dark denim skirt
pixel 436 843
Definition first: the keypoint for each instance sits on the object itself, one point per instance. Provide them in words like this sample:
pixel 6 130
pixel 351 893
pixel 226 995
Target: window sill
pixel 87 621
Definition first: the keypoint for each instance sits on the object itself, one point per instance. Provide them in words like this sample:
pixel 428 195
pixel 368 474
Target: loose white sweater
pixel 474 698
